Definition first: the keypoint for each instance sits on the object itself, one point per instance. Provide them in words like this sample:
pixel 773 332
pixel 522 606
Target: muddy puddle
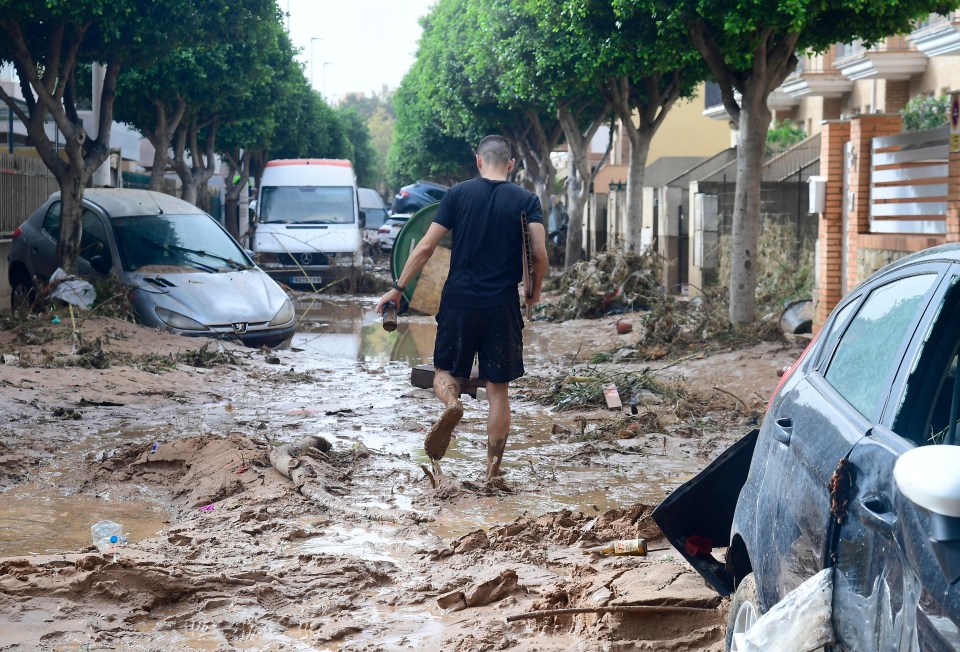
pixel 345 337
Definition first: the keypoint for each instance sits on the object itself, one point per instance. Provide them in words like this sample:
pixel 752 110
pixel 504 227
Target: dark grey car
pixel 856 467
pixel 186 274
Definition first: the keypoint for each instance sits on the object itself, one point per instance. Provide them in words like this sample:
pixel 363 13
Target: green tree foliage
pixel 47 41
pixel 421 147
pixel 926 112
pixel 783 135
pixel 361 152
pixel 750 47
pixel 457 86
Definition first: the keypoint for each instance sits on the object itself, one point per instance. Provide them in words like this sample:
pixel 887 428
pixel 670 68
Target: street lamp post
pixel 312 39
pixel 323 92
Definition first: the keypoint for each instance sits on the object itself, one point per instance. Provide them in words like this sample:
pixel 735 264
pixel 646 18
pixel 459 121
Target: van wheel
pixel 744 611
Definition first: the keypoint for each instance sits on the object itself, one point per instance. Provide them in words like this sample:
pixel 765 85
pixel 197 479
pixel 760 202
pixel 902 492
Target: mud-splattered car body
pixel 828 483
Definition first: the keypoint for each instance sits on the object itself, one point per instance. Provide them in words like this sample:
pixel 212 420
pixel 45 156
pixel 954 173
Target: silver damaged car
pixel 186 273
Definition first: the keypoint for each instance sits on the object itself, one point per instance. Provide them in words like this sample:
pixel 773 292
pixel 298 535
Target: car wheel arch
pixel 738 560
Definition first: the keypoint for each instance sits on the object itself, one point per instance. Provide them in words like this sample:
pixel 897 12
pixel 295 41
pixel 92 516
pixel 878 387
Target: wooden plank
pixel 422 376
pixel 426 297
pixel 612 396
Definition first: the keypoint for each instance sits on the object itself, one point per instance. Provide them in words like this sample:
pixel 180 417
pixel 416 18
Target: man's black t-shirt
pixel 486 264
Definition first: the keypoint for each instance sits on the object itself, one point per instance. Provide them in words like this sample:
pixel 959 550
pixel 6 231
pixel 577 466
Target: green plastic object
pixel 408 237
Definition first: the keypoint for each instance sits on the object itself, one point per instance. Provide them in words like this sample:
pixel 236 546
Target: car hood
pixel 210 298
pixel 300 238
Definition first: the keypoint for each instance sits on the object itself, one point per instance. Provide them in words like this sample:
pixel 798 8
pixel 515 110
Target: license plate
pixel 303 280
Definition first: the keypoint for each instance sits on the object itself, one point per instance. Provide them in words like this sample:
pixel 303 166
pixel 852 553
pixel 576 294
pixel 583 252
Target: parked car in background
pixel 375 215
pixel 855 467
pixel 415 196
pixel 387 234
pixel 186 274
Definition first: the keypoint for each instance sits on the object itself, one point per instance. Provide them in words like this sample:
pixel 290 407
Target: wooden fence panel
pixel 25 183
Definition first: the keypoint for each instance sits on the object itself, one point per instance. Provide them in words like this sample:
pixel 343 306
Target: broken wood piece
pixel 422 376
pixel 434 482
pixel 612 396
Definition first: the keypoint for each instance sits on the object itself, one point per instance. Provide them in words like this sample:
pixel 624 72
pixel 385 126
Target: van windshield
pixel 307 204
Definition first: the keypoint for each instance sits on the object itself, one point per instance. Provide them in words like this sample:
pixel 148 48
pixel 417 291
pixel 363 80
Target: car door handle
pixel 877 513
pixel 783 430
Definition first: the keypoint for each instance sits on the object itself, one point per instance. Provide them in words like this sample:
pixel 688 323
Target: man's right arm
pixel 538 247
pixel 418 258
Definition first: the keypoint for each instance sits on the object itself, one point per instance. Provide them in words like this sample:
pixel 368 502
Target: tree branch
pixel 727 79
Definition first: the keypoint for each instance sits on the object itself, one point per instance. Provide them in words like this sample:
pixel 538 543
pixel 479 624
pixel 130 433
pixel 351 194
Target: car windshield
pixel 176 243
pixel 307 204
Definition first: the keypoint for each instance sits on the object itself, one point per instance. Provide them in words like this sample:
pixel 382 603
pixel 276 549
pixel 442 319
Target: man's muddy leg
pixel 447 390
pixel 498 425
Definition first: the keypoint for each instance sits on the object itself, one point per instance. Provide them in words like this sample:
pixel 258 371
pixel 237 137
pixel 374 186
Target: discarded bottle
pixel 107 536
pixel 389 316
pixel 635 547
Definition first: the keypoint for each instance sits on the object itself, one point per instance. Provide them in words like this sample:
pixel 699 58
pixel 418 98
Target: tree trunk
pixel 71 225
pixel 201 164
pixel 636 171
pixel 579 176
pixel 754 123
pixel 161 138
pixel 577 194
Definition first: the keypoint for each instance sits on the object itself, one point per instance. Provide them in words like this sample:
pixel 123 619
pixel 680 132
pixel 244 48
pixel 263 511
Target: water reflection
pixel 351 329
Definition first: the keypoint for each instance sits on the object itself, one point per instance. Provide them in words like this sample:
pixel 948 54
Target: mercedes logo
pixel 239 327
pixel 306 259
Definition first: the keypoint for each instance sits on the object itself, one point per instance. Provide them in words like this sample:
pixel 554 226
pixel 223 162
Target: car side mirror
pixel 927 477
pixel 363 218
pixel 101 264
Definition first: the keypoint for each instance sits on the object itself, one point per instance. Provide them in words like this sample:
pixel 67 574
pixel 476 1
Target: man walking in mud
pixel 480 305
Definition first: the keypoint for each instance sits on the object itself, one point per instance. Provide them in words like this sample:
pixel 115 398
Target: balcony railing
pixel 935 21
pixel 898 43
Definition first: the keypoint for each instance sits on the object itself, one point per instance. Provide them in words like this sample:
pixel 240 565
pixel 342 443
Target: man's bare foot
pixel 439 436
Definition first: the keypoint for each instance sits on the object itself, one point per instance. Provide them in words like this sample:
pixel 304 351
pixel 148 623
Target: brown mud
pixel 171 439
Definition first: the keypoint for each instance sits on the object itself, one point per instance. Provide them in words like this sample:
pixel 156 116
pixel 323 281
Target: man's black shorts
pixel 495 334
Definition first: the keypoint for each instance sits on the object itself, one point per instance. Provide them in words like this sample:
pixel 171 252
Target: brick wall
pixel 830 230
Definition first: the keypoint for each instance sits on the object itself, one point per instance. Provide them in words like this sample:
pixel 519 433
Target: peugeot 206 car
pixel 186 274
pixel 856 467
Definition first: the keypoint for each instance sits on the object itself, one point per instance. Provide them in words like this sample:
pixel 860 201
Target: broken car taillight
pixel 787 373
pixel 17 232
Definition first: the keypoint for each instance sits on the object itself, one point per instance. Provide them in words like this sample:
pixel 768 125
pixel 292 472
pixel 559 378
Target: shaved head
pixel 495 151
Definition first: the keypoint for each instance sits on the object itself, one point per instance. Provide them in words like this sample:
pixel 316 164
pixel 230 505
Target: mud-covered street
pixel 171 437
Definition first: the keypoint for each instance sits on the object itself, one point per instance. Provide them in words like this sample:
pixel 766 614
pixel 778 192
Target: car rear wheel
pixel 744 611
pixel 23 295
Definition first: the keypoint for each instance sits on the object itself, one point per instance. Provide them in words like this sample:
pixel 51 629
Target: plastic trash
pixel 107 536
pixel 801 622
pixel 73 290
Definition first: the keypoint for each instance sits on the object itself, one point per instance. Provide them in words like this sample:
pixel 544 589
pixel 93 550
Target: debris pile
pixel 614 282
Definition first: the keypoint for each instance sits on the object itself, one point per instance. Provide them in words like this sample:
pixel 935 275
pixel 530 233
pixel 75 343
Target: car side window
pixel 931 400
pixel 869 350
pixel 93 241
pixel 836 329
pixel 51 221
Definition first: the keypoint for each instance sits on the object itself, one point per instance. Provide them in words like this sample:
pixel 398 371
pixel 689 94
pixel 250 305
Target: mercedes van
pixel 309 224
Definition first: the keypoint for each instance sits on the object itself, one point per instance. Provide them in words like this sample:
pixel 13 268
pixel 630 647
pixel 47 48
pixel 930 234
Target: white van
pixel 309 223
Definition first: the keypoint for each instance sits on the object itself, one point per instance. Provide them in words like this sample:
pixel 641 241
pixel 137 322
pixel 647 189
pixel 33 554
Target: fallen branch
pixel 732 395
pixel 608 610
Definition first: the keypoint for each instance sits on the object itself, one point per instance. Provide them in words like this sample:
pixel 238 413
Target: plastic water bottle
pixel 107 536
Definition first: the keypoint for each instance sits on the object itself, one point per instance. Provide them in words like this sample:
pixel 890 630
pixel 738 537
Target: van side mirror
pixel 927 477
pixel 363 218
